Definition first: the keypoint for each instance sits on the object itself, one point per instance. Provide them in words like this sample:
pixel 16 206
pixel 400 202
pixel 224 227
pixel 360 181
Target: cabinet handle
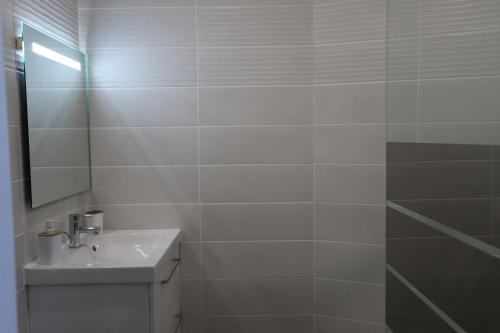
pixel 167 280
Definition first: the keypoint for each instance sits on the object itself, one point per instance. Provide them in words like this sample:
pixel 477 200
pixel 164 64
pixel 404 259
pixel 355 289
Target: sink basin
pixel 124 256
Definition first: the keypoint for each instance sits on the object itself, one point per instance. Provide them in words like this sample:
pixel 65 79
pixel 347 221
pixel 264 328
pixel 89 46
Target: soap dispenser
pixel 49 245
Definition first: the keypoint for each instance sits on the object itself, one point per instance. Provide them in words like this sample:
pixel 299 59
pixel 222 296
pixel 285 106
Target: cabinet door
pixel 107 308
pixel 165 303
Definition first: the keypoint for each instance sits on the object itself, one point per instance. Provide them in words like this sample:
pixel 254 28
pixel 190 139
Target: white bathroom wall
pixel 202 119
pixel 349 157
pixel 58 18
pixel 443 62
pixel 229 119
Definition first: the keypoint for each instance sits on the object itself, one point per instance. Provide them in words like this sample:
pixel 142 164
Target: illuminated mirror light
pixel 53 55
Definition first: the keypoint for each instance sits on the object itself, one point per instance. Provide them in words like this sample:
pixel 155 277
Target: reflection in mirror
pixel 56 94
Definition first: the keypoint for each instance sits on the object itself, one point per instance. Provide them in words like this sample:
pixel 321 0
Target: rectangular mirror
pixel 57 113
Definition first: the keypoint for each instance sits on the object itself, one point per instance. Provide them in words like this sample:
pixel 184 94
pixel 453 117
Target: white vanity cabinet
pixel 140 299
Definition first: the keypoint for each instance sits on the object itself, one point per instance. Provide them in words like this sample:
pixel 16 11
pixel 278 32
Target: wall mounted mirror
pixel 57 114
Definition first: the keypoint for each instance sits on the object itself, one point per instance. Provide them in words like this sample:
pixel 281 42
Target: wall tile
pixel 350 223
pixel 82 4
pixel 135 28
pixel 433 256
pixel 218 3
pixel 403 59
pixel 242 222
pixel 259 145
pixel 7 34
pixel 461 55
pixel 242 26
pixel 57 210
pixel 19 244
pixel 348 21
pixel 402 19
pixel 140 185
pixel 257 259
pixel 349 143
pixel 191 260
pixel 58 18
pixel 350 300
pixel 191 298
pixel 16 172
pixel 22 311
pixel 350 183
pixel 353 62
pixel 193 324
pixel 449 17
pixel 254 66
pixel 144 146
pixel 261 324
pixel 332 324
pixel 440 180
pixel 471 216
pixel 460 133
pixel 402 132
pixel 185 217
pixel 402 101
pixel 256 183
pixel 13 79
pixel 18 207
pixel 143 107
pixel 453 100
pixel 350 261
pixel 258 296
pixel 352 103
pixel 166 67
pixel 255 105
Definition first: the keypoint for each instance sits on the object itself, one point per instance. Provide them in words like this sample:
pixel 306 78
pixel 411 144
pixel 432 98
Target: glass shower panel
pixel 443 166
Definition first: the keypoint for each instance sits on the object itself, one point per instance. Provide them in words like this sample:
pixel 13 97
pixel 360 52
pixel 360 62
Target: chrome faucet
pixel 75 229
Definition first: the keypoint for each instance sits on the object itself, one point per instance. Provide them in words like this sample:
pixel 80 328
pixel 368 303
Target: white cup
pixel 95 218
pixel 49 249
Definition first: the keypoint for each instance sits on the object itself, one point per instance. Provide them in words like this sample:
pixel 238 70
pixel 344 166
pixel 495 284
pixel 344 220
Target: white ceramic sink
pixel 125 256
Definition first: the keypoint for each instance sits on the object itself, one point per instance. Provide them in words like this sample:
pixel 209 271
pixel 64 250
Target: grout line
pixel 212 47
pixel 208 203
pixel 200 248
pixel 349 243
pixel 314 166
pixel 260 315
pixel 305 241
pixel 298 85
pixel 351 319
pixel 206 126
pixel 310 164
pixel 375 284
pixel 195 6
pixel 352 42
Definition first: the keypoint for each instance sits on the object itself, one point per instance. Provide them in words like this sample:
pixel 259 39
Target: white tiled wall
pixel 202 119
pixel 58 18
pixel 443 65
pixel 349 164
pixel 215 116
